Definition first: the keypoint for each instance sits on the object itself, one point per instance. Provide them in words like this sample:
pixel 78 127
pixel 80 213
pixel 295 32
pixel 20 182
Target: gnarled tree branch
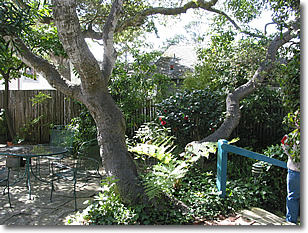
pixel 135 20
pixel 233 99
pixel 199 4
pixel 75 46
pixel 110 54
pixel 47 70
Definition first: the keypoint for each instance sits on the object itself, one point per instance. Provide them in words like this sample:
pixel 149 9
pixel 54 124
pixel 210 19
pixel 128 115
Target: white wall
pixel 25 83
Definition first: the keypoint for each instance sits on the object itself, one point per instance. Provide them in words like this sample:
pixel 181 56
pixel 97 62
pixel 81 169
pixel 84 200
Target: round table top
pixel 32 150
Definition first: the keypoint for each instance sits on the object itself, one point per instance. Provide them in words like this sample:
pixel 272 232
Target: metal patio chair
pixel 60 136
pixel 4 181
pixel 86 164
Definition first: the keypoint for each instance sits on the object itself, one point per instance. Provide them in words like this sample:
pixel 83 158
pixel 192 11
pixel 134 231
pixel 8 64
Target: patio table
pixel 28 152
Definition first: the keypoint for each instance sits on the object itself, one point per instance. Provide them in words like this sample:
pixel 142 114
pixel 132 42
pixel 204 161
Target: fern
pixel 160 180
pixel 169 172
pixel 160 149
pixel 167 175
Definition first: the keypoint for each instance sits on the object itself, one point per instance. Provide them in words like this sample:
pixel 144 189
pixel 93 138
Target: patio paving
pixel 40 211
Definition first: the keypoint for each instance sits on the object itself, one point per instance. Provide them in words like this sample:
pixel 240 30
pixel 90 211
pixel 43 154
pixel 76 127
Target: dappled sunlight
pixel 39 210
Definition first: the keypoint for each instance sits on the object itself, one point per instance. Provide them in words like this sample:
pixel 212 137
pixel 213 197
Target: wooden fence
pixel 33 121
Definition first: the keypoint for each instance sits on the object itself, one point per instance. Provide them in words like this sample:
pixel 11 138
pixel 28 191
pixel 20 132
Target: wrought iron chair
pixel 4 181
pixel 87 164
pixel 60 136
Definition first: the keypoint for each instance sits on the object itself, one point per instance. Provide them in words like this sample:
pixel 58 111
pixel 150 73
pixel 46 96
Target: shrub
pixel 200 193
pixel 85 128
pixel 192 115
pixel 107 209
pixel 261 122
pixel 269 192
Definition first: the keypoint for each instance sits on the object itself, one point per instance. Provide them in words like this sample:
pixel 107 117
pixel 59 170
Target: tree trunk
pixel 111 137
pixel 6 107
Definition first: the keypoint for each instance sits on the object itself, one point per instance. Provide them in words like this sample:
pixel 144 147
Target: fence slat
pixel 58 110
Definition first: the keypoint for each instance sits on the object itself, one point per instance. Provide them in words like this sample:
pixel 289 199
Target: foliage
pixel 85 128
pixel 18 20
pixel 40 98
pixel 191 115
pixel 198 191
pixel 160 149
pixel 107 209
pixel 274 180
pixel 261 110
pixel 171 168
pixel 289 79
pixel 245 11
pixel 135 85
pixel 14 21
pixel 28 129
pixel 270 190
pixel 151 131
pixel 46 36
pixel 225 63
pixel 169 173
pixel 291 142
pixel 283 11
pixel 10 66
pixel 289 55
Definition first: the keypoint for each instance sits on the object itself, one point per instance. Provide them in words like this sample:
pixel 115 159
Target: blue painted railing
pixel 223 149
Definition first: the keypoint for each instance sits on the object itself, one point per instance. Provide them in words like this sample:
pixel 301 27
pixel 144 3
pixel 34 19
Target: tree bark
pixel 111 137
pixel 96 97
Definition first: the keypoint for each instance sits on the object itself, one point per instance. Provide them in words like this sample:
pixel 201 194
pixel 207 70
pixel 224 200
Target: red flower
pixel 165 110
pixel 175 129
pixel 284 139
pixel 160 118
pixel 185 117
pixel 163 122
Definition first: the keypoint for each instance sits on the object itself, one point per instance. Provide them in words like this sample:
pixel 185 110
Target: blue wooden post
pixel 222 168
pixel 223 149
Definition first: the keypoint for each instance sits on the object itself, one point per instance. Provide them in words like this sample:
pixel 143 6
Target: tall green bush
pixel 85 128
pixel 136 85
pixel 192 115
pixel 261 122
pixel 133 86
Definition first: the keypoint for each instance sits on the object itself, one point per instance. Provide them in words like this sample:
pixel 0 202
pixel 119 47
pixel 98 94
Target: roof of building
pixel 177 60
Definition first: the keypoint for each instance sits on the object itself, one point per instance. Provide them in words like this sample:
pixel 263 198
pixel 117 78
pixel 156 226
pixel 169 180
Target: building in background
pixel 37 82
pixel 176 61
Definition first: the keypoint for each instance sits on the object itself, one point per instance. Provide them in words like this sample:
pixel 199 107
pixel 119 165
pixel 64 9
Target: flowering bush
pixel 291 142
pixel 192 115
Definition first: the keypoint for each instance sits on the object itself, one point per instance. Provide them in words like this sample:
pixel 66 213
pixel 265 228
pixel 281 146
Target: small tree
pixel 10 69
pixel 13 22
